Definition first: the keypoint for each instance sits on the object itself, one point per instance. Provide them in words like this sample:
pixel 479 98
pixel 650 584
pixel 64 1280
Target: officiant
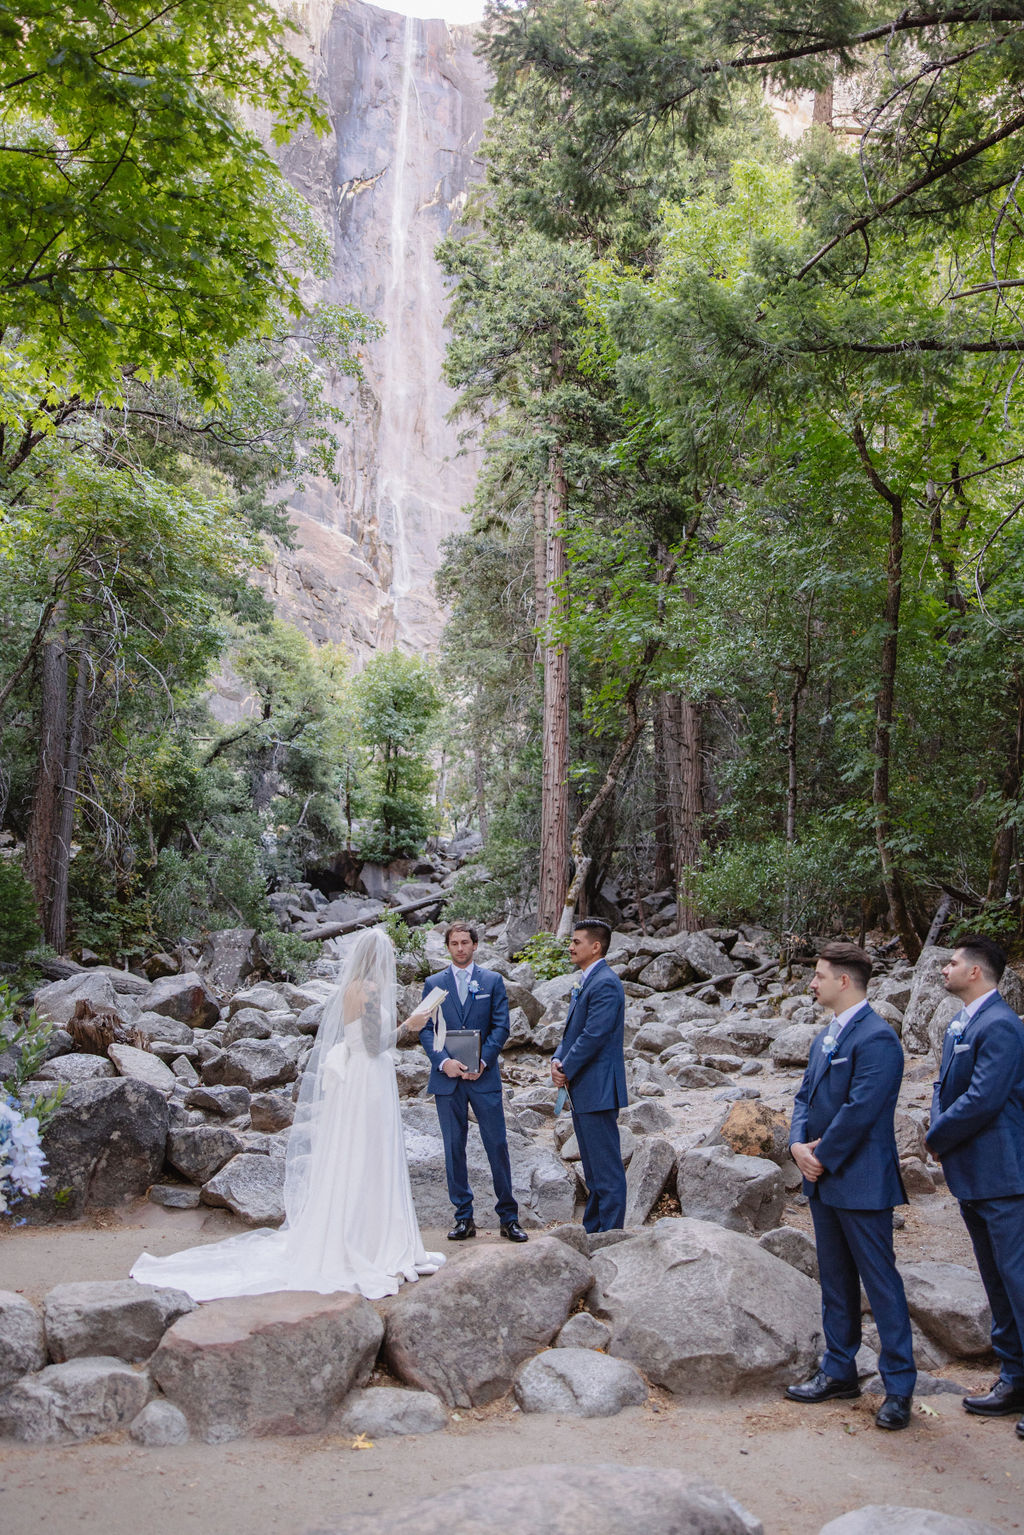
pixel 465 1072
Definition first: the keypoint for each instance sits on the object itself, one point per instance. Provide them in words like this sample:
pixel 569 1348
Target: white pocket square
pixel 840 1060
pixel 959 1049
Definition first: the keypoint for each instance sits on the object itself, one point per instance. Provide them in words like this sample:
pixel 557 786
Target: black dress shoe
pixel 513 1231
pixel 1001 1402
pixel 823 1388
pixel 1020 1429
pixel 894 1412
pixel 464 1227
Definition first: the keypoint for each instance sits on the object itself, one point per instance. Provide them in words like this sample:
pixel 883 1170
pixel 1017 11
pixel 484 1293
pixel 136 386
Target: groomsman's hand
pixel 806 1161
pixel 452 1068
pixel 558 1076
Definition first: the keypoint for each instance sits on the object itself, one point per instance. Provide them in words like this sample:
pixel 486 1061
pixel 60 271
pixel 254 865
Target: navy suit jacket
pixel 978 1105
pixel 486 1009
pixel 591 1051
pixel 849 1100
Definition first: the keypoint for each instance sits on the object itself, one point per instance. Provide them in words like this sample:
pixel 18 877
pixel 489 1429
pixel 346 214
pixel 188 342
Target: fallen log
pixel 339 929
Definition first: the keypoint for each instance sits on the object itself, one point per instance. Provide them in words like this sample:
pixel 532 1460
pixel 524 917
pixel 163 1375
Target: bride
pixel 349 1217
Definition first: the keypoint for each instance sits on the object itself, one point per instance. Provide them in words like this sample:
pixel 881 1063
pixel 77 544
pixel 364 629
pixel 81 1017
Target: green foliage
pixel 410 943
pixel 291 958
pixel 547 956
pixel 23 1040
pixel 397 701
pixel 19 922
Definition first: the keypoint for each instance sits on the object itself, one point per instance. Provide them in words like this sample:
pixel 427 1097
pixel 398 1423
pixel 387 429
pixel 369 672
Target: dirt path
pixel 793 1467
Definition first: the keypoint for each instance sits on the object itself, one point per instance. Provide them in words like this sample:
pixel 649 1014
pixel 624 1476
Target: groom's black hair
pixel 598 927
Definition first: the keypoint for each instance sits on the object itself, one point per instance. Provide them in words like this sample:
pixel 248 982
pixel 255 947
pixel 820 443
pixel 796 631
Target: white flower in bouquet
pixel 21 1155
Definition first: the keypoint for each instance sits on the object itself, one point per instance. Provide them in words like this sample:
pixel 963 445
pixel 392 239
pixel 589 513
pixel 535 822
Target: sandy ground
pixel 794 1467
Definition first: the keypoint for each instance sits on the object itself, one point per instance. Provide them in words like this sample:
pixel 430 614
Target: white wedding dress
pixel 350 1222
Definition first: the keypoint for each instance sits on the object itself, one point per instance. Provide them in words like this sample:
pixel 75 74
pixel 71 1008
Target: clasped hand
pixel 558 1076
pixel 453 1068
pixel 803 1155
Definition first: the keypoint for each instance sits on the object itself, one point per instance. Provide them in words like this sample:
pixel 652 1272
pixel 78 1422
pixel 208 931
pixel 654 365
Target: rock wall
pixel 406 101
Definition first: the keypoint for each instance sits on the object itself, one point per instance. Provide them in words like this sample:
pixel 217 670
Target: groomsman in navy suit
pixel 843 1141
pixel 977 1132
pixel 476 1000
pixel 591 1065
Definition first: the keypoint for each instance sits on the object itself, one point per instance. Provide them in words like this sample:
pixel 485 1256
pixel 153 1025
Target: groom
pixel 476 1000
pixel 590 1064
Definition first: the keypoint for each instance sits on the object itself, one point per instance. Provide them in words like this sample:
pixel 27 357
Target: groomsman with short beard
pixel 977 1133
pixel 843 1141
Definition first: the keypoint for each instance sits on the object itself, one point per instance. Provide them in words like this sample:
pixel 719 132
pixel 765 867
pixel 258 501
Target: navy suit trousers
pixel 453 1114
pixel 597 1135
pixel 996 1228
pixel 855 1245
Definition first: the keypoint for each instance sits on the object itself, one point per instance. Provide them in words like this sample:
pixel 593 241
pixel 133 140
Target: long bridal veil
pixel 349 1218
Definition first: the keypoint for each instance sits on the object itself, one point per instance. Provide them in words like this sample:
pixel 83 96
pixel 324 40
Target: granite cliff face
pixel 406 102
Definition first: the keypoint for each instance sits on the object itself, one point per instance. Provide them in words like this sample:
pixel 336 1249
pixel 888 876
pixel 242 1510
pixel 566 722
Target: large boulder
pixel 268 999
pixel 705 956
pixel 578 1382
pixel 792 1045
pixel 743 1193
pixel 267 1364
pixel 143 1067
pixel 200 1151
pixel 104 1145
pixel 73 1401
pixel 678 1008
pixel 380 1412
pixel 603 1499
pixel 928 995
pixel 114 1316
pixel 159 1424
pixel 465 1331
pixel 949 1304
pixel 252 1185
pixel 650 1168
pixel 58 1000
pixel 185 997
pixel 792 1246
pixel 253 1063
pixel 665 972
pixel 892 1519
pixel 22 1343
pixel 75 1068
pixel 519 996
pixel 703 1310
pixel 737 1036
pixel 229 958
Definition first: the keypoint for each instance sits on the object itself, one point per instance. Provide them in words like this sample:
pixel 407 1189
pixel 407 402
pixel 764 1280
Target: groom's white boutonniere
pixel 473 987
pixel 828 1045
pixel 577 988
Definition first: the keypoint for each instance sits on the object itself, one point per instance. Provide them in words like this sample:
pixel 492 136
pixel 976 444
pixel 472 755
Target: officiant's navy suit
pixel 848 1099
pixel 977 1132
pixel 592 1058
pixel 485 1009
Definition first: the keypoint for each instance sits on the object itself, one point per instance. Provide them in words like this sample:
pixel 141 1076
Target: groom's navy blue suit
pixel 848 1099
pixel 977 1132
pixel 485 1009
pixel 592 1058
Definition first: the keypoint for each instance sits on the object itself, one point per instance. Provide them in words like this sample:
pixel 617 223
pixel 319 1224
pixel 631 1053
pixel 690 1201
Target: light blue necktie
pixel 462 985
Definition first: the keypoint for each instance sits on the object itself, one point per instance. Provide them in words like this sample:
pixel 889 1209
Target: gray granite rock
pixel 58 1000
pixel 441 1334
pixel 271 1112
pixel 701 1309
pixel 583 1331
pixel 892 1519
pixel 650 1170
pixel 174 1196
pixel 22 1342
pixel 247 1023
pixel 949 1303
pixel 792 1045
pixel 201 1152
pixel 185 997
pixel 928 995
pixel 159 1423
pixel 603 1499
pixel 743 1193
pixel 76 1068
pixel 252 1185
pixel 266 1364
pixel 578 1382
pixel 253 1063
pixel 116 1317
pixel 225 1101
pixel 143 1067
pixel 104 1146
pixel 73 1401
pixel 229 958
pixel 380 1412
pixel 792 1246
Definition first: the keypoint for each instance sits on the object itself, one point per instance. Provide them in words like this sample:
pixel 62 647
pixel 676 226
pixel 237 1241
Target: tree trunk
pixel 681 723
pixel 885 705
pixel 554 821
pixel 581 861
pixel 56 928
pixel 663 870
pixel 45 815
pixel 1001 862
pixel 481 798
